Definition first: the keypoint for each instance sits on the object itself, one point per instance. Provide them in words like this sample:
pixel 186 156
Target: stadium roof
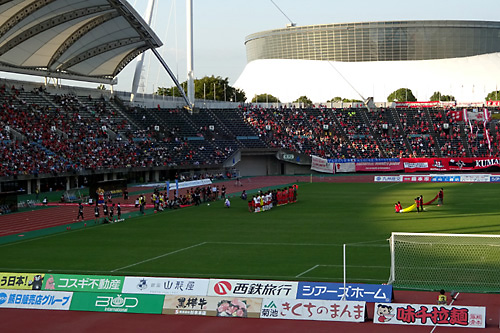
pixel 88 40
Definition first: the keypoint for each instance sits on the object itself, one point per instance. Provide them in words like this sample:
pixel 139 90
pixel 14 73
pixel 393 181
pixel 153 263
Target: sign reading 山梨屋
pixel 112 302
pixel 252 288
pixel 165 286
pixel 35 299
pixel 24 281
pixel 352 291
pixel 430 315
pixel 347 311
pixel 92 283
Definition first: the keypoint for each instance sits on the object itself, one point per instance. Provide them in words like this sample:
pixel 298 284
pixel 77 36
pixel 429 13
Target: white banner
pixel 345 167
pixel 321 165
pixel 35 299
pixel 347 311
pixel 430 315
pixel 190 183
pixel 253 288
pixel 165 286
pixel 388 179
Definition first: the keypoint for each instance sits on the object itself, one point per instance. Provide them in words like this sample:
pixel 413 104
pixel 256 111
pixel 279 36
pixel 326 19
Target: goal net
pixel 445 261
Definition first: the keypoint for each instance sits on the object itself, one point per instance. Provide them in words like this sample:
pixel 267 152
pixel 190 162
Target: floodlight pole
pixel 190 62
pixel 140 58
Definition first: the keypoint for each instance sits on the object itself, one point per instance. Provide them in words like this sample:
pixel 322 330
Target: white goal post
pixel 431 261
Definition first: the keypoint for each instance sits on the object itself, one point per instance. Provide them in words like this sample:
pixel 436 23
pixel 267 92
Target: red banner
pixel 448 164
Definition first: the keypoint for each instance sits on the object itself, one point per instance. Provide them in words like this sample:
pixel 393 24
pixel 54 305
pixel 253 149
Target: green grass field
pixel 301 241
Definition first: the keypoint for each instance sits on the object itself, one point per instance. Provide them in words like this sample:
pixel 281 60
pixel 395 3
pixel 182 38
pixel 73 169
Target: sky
pixel 220 28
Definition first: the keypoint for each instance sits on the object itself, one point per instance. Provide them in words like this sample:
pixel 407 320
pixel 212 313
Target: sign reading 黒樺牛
pixel 352 291
pixel 430 315
pixel 92 283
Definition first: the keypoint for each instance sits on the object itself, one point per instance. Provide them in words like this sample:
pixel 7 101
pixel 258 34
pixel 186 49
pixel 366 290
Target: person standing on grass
pixel 417 203
pixel 112 213
pixel 119 211
pixel 440 197
pixel 80 212
pixel 105 210
pixel 96 213
pixel 421 199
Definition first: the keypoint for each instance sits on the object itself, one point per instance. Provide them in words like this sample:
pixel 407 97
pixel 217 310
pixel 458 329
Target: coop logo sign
pixel 253 288
pixel 117 302
pixel 106 302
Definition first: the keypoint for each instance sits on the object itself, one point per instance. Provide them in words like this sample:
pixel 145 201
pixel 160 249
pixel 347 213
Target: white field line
pixel 306 271
pixel 158 257
pixel 389 186
pixel 47 236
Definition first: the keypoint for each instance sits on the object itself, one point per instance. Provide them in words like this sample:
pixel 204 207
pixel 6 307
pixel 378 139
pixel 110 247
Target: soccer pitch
pixel 300 241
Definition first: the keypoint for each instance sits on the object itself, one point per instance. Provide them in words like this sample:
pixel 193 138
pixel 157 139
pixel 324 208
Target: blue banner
pixel 352 291
pixel 495 179
pixel 446 179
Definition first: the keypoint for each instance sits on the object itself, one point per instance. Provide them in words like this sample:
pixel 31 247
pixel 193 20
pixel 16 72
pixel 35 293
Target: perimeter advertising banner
pixel 347 311
pixel 23 281
pixel 112 302
pixel 90 283
pixel 165 286
pixel 239 307
pixel 35 299
pixel 352 291
pixel 252 288
pixel 430 315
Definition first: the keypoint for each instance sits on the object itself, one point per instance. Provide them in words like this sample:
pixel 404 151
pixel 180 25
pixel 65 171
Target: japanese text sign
pixel 165 286
pixel 347 311
pixel 90 283
pixel 430 315
pixel 35 299
pixel 352 291
pixel 252 288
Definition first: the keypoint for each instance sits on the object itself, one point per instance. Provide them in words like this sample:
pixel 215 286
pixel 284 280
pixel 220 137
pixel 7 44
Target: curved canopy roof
pixel 89 40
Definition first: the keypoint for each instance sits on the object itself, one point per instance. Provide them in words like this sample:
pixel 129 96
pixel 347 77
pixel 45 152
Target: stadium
pixel 169 251
pixel 373 59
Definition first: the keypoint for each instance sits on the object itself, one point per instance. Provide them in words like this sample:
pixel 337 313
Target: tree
pixel 303 100
pixel 437 96
pixel 335 100
pixel 344 100
pixel 401 95
pixel 265 98
pixel 493 96
pixel 208 87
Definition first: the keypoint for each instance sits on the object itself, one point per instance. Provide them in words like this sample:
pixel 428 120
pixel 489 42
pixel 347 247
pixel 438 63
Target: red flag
pixel 456 115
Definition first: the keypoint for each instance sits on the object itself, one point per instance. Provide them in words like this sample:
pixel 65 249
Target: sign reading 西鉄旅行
pixel 92 283
pixel 352 291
